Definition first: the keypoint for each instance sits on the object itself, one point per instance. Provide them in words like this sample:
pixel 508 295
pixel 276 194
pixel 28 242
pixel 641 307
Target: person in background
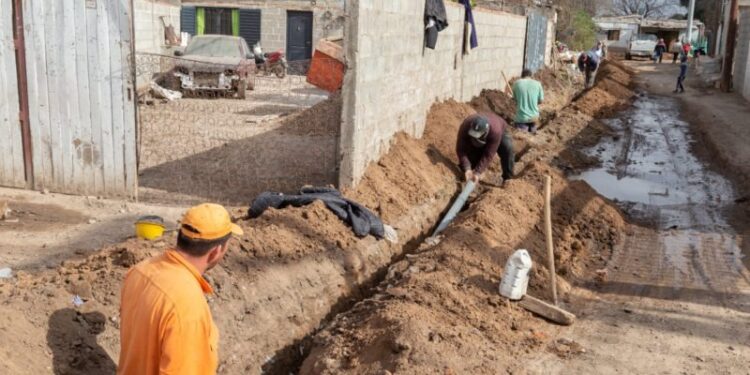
pixel 600 50
pixel 166 325
pixel 659 51
pixel 683 72
pixel 588 63
pixel 528 94
pixel 480 137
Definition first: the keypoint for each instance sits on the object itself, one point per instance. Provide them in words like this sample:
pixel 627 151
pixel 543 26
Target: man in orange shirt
pixel 166 324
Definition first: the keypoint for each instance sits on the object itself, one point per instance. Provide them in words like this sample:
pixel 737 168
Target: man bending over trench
pixel 167 326
pixel 480 137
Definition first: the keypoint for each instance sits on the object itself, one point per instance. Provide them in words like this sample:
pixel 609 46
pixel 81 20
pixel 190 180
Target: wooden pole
pixel 548 230
pixel 726 74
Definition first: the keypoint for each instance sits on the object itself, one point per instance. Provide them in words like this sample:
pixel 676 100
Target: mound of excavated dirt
pixel 439 311
pixel 558 85
pixel 297 267
pixel 610 94
pixel 414 169
pixel 323 118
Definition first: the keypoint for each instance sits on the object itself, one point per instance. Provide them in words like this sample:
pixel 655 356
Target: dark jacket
pixel 592 63
pixel 434 10
pixel 472 155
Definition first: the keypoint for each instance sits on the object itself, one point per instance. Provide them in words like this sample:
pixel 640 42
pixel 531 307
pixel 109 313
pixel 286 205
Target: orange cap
pixel 208 221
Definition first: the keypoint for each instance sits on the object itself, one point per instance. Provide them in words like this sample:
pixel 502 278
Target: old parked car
pixel 213 64
pixel 641 45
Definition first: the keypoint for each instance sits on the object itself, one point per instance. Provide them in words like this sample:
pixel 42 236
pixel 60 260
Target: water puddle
pixel 649 170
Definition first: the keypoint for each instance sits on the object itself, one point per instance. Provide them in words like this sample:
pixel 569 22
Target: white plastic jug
pixel 516 275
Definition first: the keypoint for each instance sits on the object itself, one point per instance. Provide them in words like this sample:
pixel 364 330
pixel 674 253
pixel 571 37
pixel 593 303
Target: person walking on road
pixel 588 63
pixel 528 94
pixel 166 325
pixel 480 137
pixel 659 51
pixel 683 72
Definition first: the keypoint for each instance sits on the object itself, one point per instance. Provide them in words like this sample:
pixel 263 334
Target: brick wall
pixel 392 81
pixel 742 54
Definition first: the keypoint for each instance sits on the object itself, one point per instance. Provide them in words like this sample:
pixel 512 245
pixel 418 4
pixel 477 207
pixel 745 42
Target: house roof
pixel 633 18
pixel 668 24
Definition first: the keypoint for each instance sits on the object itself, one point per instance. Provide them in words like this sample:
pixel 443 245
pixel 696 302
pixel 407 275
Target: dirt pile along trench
pixel 439 311
pixel 294 270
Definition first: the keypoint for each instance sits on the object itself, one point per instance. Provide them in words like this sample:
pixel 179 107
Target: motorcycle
pixel 270 63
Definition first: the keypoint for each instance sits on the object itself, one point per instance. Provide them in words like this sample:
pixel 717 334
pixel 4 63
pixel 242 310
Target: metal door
pixel 299 26
pixel 11 146
pixel 536 41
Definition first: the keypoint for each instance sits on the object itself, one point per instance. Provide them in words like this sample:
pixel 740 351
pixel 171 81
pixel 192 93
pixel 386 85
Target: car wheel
pixel 280 71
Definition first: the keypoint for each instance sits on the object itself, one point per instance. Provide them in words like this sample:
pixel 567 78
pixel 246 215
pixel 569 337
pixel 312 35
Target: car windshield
pixel 214 46
pixel 649 37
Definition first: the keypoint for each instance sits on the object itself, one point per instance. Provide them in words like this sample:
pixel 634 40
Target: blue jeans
pixel 526 126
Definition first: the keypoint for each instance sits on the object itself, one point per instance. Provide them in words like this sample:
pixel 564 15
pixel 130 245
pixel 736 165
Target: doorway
pixel 299 30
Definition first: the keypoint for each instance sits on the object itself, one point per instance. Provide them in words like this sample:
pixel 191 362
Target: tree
pixel 645 8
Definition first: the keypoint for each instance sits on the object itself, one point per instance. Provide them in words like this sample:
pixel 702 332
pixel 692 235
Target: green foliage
pixel 582 33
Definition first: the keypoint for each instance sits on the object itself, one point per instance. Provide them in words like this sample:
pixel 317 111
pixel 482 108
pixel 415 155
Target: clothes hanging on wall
pixel 471 30
pixel 435 21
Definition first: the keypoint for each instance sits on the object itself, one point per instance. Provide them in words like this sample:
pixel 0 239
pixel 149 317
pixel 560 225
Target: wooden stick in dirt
pixel 547 311
pixel 548 230
pixel 507 85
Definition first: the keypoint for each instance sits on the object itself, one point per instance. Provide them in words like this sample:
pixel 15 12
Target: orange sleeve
pixel 187 348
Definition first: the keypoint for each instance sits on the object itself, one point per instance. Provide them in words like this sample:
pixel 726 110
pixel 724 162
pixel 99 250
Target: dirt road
pixel 676 299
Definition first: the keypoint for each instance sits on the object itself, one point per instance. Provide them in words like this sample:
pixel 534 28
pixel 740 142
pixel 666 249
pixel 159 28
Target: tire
pixel 280 71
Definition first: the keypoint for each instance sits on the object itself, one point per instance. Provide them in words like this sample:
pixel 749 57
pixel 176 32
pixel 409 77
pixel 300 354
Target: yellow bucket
pixel 149 227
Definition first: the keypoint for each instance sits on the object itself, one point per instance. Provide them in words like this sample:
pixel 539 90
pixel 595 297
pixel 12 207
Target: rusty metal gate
pixel 78 78
pixel 536 41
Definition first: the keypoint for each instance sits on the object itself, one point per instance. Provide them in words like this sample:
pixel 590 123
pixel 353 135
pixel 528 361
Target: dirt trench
pixel 438 310
pixel 295 270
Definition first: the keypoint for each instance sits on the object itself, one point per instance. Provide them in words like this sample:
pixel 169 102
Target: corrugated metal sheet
pixel 536 41
pixel 11 146
pixel 81 97
pixel 187 20
pixel 250 26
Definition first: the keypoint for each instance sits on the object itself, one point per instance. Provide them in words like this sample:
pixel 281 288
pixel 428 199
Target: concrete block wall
pixel 147 25
pixel 392 80
pixel 273 29
pixel 502 38
pixel 742 54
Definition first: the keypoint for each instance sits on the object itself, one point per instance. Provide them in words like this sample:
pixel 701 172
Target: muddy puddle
pixel 649 170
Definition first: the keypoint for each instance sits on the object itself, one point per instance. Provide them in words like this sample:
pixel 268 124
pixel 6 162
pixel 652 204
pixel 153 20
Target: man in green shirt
pixel 528 94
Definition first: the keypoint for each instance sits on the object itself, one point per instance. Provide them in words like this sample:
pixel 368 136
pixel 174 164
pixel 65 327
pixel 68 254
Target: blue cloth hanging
pixel 469 17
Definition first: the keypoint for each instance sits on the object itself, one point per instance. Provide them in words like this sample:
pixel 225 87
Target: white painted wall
pixel 148 27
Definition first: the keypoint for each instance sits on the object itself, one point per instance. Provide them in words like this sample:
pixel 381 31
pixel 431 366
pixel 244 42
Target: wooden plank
pixel 104 81
pixel 36 57
pixel 56 95
pixel 547 310
pixel 71 126
pixel 81 136
pixel 117 98
pixel 130 123
pixel 95 94
pixel 11 147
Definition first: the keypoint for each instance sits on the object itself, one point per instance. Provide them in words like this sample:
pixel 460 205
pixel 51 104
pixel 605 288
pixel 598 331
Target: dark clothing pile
pixel 362 220
pixel 435 21
pixel 475 156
